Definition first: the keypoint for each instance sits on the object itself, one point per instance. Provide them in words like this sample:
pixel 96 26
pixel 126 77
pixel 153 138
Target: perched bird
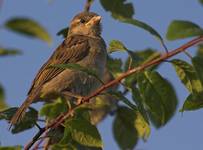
pixel 84 46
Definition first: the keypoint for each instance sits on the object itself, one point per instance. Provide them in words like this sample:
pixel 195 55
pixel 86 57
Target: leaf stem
pixel 38 126
pixel 188 54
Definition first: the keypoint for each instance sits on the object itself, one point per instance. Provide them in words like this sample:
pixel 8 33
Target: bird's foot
pixel 71 113
pixel 78 97
pixel 79 100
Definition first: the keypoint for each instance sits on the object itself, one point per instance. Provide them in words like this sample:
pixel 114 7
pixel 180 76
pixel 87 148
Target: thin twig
pixel 188 54
pixel 46 144
pixel 130 63
pixel 41 132
pixel 38 126
pixel 86 99
pixel 164 46
pixel 35 138
pixel 36 147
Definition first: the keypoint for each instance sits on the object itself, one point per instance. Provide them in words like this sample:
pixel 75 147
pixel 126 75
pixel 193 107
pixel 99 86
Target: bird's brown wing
pixel 72 50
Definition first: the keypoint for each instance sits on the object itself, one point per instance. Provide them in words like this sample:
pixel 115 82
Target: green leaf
pixel 81 147
pixel 90 71
pixel 114 65
pixel 159 97
pixel 52 110
pixel 198 65
pixel 8 113
pixel 116 45
pixel 187 75
pixel 83 132
pixel 180 29
pixel 118 8
pixel 124 130
pixel 200 50
pixel 67 142
pixel 63 32
pixel 82 112
pixel 193 102
pixel 138 58
pixel 28 121
pixel 11 148
pixel 66 139
pixel 141 57
pixel 56 134
pixel 139 101
pixel 3 104
pixel 101 106
pixel 104 103
pixel 143 26
pixel 142 127
pixel 9 51
pixel 74 146
pixel 63 147
pixel 147 55
pixel 28 27
pixel 123 11
pixel 201 1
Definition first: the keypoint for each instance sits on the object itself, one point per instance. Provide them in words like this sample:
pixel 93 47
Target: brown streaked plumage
pixel 83 46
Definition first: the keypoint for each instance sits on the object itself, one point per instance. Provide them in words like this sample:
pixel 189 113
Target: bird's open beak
pixel 95 20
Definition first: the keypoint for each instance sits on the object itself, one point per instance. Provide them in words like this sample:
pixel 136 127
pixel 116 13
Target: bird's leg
pixel 68 104
pixel 67 93
pixel 78 97
pixel 79 100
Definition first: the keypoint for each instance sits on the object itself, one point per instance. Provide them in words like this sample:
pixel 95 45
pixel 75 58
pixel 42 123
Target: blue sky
pixel 182 132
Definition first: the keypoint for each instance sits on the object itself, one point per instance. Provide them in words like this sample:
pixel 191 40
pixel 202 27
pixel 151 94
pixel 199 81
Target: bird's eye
pixel 82 21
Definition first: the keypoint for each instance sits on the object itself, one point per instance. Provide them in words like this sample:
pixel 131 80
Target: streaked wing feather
pixel 72 50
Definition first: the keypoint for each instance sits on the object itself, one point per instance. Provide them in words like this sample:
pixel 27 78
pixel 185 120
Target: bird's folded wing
pixel 72 50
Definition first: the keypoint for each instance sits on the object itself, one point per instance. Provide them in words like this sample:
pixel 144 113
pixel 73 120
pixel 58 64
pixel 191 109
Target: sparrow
pixel 83 46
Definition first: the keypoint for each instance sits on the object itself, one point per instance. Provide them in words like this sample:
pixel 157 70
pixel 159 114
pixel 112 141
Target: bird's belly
pixel 83 84
pixel 76 82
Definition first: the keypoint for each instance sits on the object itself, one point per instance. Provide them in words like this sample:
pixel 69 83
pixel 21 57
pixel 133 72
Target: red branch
pixel 86 99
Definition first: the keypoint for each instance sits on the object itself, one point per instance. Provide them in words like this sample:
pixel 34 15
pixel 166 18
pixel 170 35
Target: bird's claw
pixel 79 101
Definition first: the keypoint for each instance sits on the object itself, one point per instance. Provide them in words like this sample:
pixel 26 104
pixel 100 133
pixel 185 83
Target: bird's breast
pixel 96 59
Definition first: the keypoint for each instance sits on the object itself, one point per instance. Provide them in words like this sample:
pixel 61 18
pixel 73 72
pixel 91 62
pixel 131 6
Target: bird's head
pixel 86 23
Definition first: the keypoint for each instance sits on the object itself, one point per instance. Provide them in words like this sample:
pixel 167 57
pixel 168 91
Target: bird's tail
pixel 17 117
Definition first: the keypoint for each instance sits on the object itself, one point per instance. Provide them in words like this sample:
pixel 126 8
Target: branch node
pixel 38 126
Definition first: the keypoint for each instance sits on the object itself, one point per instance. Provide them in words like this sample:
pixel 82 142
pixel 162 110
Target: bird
pixel 83 46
